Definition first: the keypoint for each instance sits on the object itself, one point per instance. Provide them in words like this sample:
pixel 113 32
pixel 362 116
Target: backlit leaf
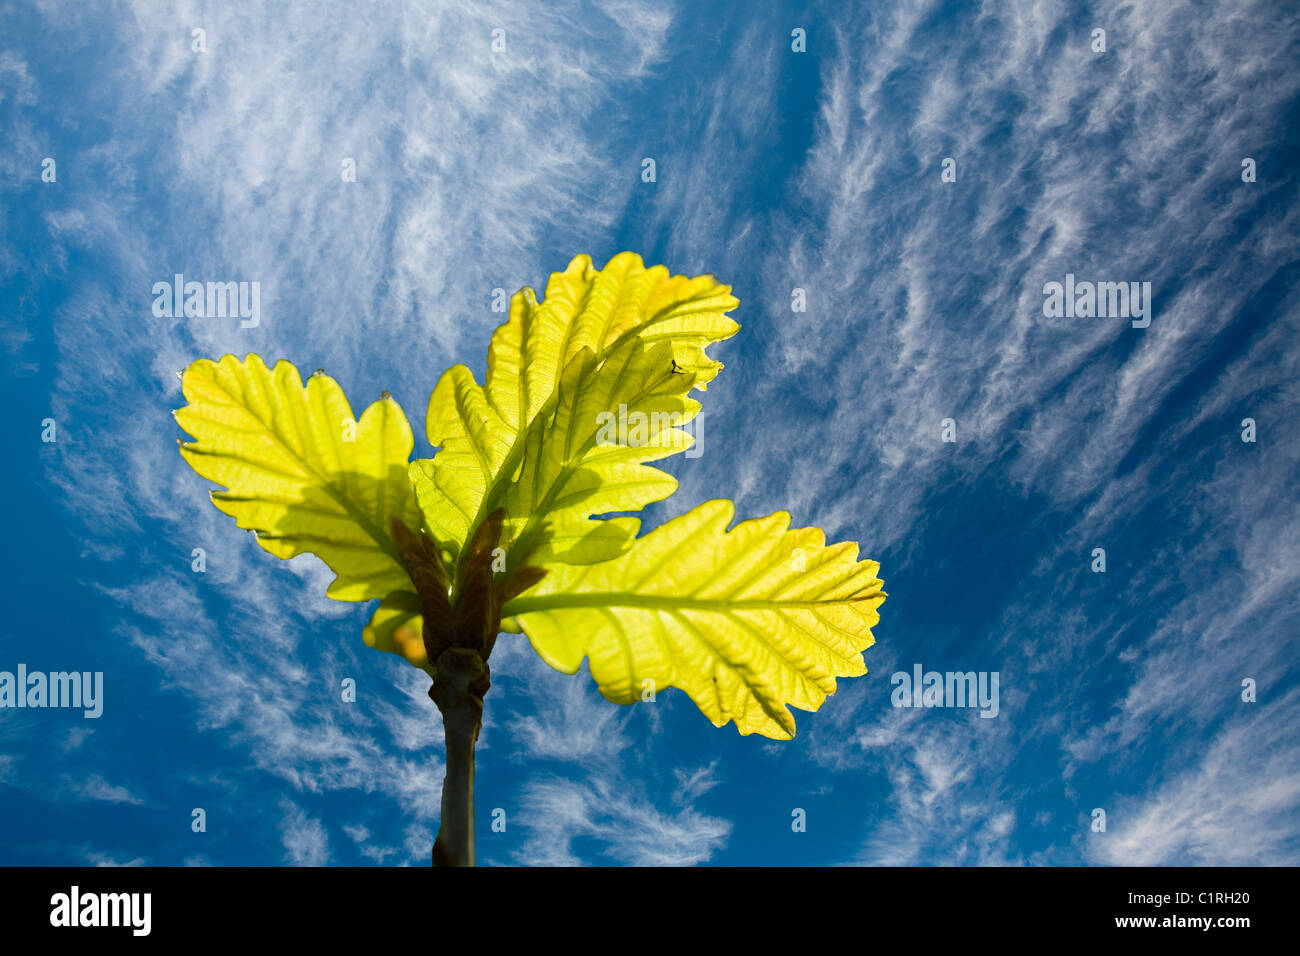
pixel 745 621
pixel 652 323
pixel 598 310
pixel 300 470
pixel 588 457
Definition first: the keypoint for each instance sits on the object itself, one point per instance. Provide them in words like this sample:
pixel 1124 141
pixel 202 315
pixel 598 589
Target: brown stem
pixel 458 691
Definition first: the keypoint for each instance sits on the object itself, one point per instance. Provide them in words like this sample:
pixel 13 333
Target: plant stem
pixel 458 691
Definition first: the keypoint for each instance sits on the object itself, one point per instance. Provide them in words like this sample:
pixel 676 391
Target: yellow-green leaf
pixel 300 470
pixel 588 457
pixel 473 444
pixel 397 627
pixel 484 432
pixel 747 622
pixel 598 309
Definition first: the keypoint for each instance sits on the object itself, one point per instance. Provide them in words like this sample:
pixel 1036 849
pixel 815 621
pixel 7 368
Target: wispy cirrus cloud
pixel 1234 806
pixel 629 829
pixel 305 841
pixel 925 298
pixel 95 787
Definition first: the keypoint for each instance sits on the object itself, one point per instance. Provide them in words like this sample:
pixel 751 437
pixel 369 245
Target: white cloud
pixel 95 858
pixel 631 831
pixel 567 719
pixel 305 841
pixel 96 787
pixel 1234 807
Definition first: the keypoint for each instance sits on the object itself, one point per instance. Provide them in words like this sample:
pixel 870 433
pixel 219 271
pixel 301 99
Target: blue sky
pixel 775 170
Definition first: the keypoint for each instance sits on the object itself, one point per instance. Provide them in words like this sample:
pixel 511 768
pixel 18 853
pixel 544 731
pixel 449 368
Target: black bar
pixel 603 906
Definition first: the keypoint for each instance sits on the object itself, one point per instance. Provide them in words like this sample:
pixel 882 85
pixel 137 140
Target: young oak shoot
pixel 498 531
